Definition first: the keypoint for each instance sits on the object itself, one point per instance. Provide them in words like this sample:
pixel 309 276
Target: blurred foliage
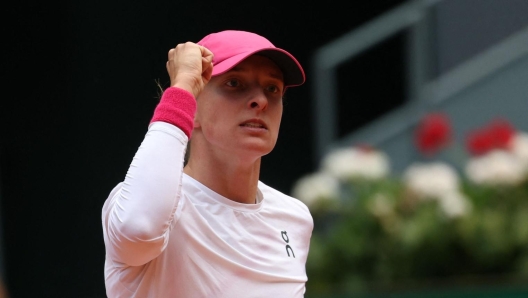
pixel 377 234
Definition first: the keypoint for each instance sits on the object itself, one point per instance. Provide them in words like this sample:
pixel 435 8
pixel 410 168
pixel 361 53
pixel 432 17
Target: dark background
pixel 80 86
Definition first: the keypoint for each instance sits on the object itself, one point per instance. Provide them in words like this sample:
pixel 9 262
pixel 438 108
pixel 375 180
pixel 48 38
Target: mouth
pixel 254 123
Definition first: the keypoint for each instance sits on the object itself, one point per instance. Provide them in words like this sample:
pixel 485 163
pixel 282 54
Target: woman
pixel 209 227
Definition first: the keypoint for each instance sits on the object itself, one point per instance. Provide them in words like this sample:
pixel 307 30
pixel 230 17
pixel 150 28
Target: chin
pixel 257 148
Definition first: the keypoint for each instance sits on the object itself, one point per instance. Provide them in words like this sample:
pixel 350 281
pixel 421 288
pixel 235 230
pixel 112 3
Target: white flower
pixel 519 148
pixel 454 204
pixel 438 181
pixel 314 187
pixel 349 163
pixel 498 167
pixel 431 180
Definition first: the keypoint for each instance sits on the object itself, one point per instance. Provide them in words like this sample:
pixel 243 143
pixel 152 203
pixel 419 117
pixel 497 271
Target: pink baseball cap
pixel 230 47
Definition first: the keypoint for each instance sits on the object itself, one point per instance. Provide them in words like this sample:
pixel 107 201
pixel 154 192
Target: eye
pixel 273 89
pixel 233 83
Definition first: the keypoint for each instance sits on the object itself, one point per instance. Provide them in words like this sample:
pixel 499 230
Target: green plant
pixel 375 229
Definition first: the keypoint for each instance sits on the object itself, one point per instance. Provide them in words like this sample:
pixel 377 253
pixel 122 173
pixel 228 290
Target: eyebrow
pixel 273 74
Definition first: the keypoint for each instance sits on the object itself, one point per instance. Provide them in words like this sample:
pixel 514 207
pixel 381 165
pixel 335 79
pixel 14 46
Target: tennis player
pixel 208 227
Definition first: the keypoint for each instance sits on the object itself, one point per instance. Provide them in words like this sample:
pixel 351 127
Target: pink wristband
pixel 177 107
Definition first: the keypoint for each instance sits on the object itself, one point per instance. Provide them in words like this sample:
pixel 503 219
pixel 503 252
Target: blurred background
pixel 82 80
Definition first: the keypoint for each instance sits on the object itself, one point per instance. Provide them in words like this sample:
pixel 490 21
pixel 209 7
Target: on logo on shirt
pixel 287 240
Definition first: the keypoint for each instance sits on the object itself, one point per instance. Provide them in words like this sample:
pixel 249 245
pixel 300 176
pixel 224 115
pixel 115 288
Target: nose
pixel 258 100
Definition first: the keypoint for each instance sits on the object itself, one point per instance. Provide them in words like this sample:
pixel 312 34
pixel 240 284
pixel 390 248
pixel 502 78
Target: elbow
pixel 135 242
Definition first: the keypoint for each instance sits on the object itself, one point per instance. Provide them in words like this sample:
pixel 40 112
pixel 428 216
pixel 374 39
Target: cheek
pixel 204 115
pixel 212 122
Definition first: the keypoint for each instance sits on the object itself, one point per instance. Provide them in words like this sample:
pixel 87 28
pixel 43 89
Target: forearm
pixel 139 215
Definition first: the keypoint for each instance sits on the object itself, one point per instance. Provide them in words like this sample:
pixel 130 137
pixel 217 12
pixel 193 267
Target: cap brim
pixel 290 67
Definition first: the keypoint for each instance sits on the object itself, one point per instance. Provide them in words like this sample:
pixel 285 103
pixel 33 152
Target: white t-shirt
pixel 168 235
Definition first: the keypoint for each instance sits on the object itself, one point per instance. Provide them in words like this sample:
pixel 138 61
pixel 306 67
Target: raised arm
pixel 139 211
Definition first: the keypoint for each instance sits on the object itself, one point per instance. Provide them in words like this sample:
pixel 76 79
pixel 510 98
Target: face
pixel 239 112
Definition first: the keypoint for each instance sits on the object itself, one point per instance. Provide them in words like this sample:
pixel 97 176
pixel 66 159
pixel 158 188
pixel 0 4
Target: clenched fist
pixel 190 66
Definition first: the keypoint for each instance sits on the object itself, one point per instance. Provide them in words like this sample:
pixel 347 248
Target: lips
pixel 254 123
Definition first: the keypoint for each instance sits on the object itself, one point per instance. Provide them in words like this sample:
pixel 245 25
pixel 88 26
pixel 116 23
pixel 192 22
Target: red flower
pixel 496 135
pixel 502 133
pixel 479 142
pixel 433 133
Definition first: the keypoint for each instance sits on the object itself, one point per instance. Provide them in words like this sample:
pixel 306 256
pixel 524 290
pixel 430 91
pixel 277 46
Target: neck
pixel 226 174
